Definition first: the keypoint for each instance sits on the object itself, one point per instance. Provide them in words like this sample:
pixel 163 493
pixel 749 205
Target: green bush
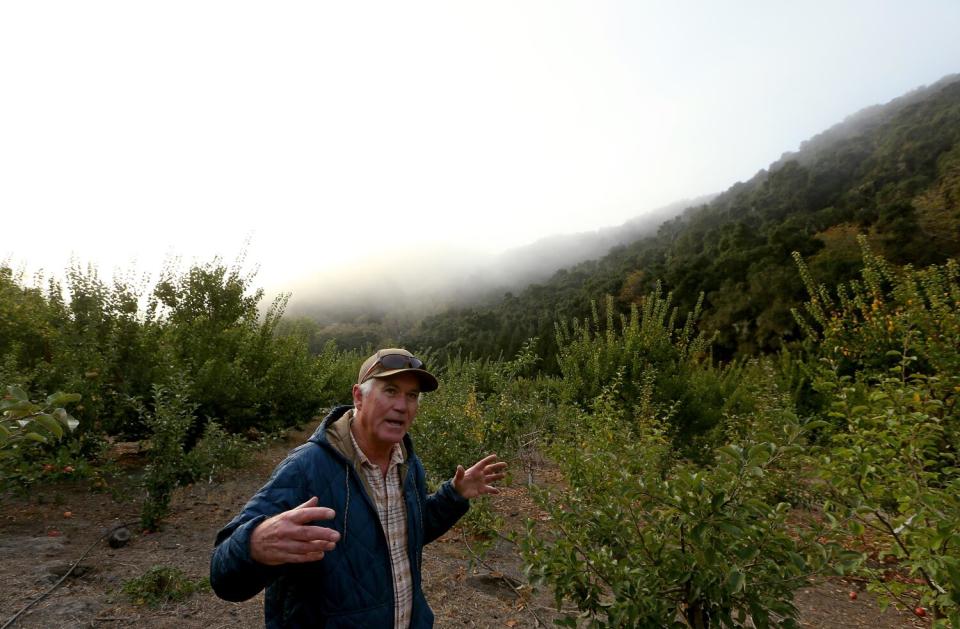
pixel 170 422
pixel 163 584
pixel 893 470
pixel 216 452
pixel 111 342
pixel 648 344
pixel 482 407
pixel 890 373
pixel 636 537
pixel 171 462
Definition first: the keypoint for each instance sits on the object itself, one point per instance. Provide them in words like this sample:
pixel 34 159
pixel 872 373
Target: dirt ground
pixel 38 544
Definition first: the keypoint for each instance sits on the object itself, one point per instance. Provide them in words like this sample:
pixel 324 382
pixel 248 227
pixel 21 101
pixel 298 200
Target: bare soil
pixel 38 544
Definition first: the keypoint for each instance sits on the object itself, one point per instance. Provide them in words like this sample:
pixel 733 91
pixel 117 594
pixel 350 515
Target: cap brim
pixel 427 381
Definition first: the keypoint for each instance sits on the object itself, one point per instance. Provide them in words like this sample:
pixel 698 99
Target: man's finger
pixel 293 547
pixel 310 503
pixel 317 556
pixel 485 461
pixel 295 557
pixel 314 533
pixel 302 515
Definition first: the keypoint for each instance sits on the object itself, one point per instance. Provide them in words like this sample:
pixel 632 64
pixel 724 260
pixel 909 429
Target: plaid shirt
pixel 393 517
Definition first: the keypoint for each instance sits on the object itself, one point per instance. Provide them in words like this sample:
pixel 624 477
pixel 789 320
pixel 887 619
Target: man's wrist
pixel 457 494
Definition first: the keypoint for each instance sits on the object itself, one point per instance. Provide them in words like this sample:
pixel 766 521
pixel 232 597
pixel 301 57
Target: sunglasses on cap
pixel 394 361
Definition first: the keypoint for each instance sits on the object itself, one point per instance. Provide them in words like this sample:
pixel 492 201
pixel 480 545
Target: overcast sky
pixel 331 132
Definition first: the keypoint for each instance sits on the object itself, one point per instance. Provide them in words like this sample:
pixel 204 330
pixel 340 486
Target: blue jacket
pixel 352 586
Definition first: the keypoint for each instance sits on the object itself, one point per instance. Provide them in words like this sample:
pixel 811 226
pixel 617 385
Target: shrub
pixel 638 538
pixel 893 470
pixel 216 452
pixel 483 406
pixel 163 584
pixel 890 370
pixel 171 463
pixel 647 344
pixel 170 421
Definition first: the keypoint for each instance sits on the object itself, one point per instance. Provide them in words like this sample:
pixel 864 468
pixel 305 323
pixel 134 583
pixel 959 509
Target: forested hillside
pixel 891 172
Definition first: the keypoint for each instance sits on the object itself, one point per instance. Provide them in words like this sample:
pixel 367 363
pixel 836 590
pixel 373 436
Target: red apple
pixel 919 611
pixel 853 595
pixel 68 469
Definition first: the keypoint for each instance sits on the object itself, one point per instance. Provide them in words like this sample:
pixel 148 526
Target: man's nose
pixel 401 403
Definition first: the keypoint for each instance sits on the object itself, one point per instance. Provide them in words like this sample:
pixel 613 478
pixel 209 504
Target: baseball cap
pixel 387 362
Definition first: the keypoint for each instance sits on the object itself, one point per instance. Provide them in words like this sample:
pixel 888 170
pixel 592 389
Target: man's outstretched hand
pixel 476 480
pixel 289 537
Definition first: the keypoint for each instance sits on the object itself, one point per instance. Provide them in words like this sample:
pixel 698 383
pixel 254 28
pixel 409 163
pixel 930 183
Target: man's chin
pixel 394 434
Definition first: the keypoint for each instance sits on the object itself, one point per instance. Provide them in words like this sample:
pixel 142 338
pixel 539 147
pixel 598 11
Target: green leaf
pixel 698 532
pixel 731 529
pixel 51 424
pixel 65 418
pixel 734 581
pixel 760 453
pixel 17 394
pixel 60 398
pixel 20 408
pixel 35 437
pixel 732 451
pixel 718 500
pixel 746 553
pixel 797 560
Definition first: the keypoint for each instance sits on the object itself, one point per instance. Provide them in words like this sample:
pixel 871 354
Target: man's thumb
pixel 460 473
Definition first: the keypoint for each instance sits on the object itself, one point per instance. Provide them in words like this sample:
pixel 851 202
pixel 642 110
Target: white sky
pixel 327 132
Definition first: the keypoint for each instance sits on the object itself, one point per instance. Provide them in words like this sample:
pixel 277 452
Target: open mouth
pixel 397 423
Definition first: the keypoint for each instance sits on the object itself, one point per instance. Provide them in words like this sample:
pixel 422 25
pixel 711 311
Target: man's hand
pixel 288 538
pixel 476 480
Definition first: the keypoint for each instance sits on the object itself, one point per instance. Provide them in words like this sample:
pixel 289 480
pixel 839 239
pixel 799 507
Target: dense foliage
pixel 890 367
pixel 181 365
pixel 112 344
pixel 645 531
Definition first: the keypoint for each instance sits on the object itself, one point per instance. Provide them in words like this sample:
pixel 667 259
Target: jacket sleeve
pixel 442 509
pixel 234 575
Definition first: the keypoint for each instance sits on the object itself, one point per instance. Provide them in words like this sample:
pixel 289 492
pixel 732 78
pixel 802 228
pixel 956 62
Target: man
pixel 359 476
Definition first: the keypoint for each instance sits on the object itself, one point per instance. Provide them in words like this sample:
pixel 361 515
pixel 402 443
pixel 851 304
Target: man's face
pixel 387 412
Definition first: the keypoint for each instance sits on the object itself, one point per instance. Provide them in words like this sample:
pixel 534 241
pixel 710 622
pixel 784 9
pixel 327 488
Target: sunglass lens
pixel 399 361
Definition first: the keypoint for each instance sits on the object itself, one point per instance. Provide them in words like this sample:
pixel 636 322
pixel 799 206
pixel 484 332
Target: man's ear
pixel 357 396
